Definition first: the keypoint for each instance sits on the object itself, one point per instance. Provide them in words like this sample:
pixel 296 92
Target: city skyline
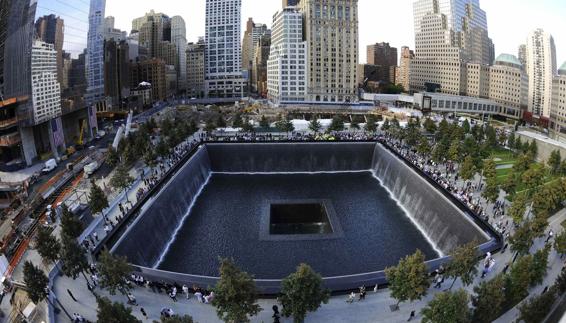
pixel 547 13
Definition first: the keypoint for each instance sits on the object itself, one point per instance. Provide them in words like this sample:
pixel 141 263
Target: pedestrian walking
pixel 186 291
pixel 142 310
pixel 72 296
pixel 550 235
pixel 412 316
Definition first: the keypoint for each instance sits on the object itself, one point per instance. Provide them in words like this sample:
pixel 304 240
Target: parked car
pixel 49 166
pixel 89 169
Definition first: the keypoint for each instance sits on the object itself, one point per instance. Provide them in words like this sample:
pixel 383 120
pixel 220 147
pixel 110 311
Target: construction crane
pixel 80 142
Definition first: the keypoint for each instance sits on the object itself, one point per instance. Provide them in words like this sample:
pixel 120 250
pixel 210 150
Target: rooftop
pixel 562 69
pixel 507 59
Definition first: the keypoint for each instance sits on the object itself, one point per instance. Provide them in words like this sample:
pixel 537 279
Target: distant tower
pixel 95 54
pixel 290 3
pixel 541 68
pixel 223 56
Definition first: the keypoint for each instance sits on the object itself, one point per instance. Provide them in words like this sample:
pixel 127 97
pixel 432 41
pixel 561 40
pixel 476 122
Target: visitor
pixel 351 298
pixel 375 288
pixel 186 291
pixel 209 298
pixel 550 235
pixel 173 294
pixel 439 279
pixel 362 295
pixel 199 297
pixel 167 312
pixel 132 299
pixel 142 310
pixel 411 316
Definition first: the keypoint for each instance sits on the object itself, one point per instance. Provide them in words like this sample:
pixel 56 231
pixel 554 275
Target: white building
pixel 558 110
pixel 541 68
pixel 46 90
pixel 448 35
pixel 331 32
pixel 286 67
pixel 223 55
pixel 179 38
pixel 110 32
pixel 95 54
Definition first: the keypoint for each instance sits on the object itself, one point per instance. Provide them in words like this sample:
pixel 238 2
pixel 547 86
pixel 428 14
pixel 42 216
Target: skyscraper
pixel 523 55
pixel 290 3
pixel 287 65
pixel 223 54
pixel 448 35
pixel 404 70
pixel 195 69
pixel 541 68
pixel 46 90
pixel 385 56
pixel 50 30
pixel 95 54
pixel 4 14
pixel 331 30
pixel 179 38
pixel 251 36
pixel 558 110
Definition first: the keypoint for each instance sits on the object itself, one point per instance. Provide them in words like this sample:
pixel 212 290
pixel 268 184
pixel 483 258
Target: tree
pixel 511 140
pixel 491 136
pixel 71 226
pixel 454 151
pixel 302 292
pixel 220 122
pixel 560 243
pixel 210 125
pixel 162 148
pixel 121 179
pixel 177 319
pixel 36 282
pixel 554 162
pixel 236 294
pixel 314 125
pixel 113 271
pixel 533 149
pixel 518 281
pixel 97 200
pixel 522 239
pixel 448 307
pixel 491 190
pixel 466 126
pixel 408 280
pixel 371 124
pixel 355 124
pixel 467 169
pixel 539 266
pixel 533 178
pixel 73 258
pixel 534 310
pixel 386 125
pixel 429 125
pixel 423 147
pixel 337 124
pixel 112 156
pixel 488 300
pixel 284 125
pixel 238 121
pixel 463 264
pixel 150 157
pixel 263 123
pixel 510 184
pixel 48 246
pixel 113 312
pixel 248 126
pixel 518 208
pixel 489 169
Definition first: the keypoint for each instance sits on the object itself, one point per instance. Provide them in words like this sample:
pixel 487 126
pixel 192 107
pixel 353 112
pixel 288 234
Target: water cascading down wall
pixel 145 242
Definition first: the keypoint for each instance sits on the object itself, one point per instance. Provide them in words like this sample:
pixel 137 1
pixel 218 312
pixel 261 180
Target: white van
pixel 49 166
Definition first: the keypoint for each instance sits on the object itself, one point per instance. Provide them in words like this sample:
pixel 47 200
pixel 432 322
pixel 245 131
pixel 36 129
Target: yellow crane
pixel 80 142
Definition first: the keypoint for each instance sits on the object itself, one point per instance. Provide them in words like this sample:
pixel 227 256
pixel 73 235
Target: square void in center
pixel 300 218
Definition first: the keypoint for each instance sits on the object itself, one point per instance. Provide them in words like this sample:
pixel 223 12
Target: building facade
pixel 152 71
pixel 46 89
pixel 382 54
pixel 259 67
pixel 49 29
pixel 195 69
pixel 179 38
pixel 523 55
pixel 448 35
pixel 331 32
pixel 223 51
pixel 95 55
pixel 252 35
pixel 116 72
pixel 403 76
pixel 287 65
pixel 558 109
pixel 541 68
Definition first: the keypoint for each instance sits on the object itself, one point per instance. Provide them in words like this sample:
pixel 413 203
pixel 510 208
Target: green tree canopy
pixel 263 123
pixel 71 226
pixel 423 147
pixel 371 124
pixel 314 125
pixel 113 271
pixel 554 162
pixel 560 243
pixel 518 208
pixel 448 307
pixel 177 319
pixel 463 264
pixel 121 179
pixel 491 190
pixel 284 125
pixel 429 125
pixel 236 294
pixel 97 200
pixel 73 258
pixel 518 280
pixel 488 300
pixel 302 292
pixel 48 246
pixel 113 312
pixel 523 237
pixel 467 169
pixel 409 279
pixel 112 156
pixel 337 124
pixel 537 307
pixel 539 266
pixel 36 282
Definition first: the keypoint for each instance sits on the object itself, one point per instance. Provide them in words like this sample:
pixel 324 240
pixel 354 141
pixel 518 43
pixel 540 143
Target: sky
pixel 509 21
